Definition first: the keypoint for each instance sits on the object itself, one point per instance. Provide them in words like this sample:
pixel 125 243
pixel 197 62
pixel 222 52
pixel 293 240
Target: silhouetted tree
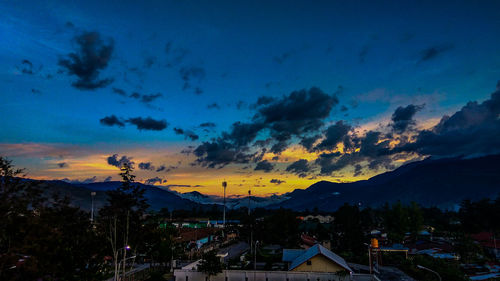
pixel 122 219
pixel 210 264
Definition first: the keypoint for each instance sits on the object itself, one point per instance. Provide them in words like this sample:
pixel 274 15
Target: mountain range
pixel 442 183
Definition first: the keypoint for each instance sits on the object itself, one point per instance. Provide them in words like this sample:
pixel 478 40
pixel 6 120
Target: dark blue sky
pixel 185 63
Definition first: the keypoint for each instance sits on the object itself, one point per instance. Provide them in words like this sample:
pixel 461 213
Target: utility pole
pixel 224 185
pixel 249 193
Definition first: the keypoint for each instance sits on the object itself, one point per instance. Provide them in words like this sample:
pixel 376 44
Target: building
pixel 315 259
pixel 314 264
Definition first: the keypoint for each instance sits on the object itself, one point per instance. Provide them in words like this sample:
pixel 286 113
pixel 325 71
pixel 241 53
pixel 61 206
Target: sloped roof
pixel 289 255
pixel 319 250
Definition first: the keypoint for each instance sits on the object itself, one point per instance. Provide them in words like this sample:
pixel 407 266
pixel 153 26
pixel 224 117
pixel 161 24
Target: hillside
pixel 80 195
pixel 443 183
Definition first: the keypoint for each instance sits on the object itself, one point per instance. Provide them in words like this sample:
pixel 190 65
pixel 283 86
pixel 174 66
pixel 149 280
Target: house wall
pixel 248 275
pixel 319 264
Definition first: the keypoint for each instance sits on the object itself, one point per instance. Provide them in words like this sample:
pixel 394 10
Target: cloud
pixel 92 55
pixel 309 141
pixel 213 106
pixel 301 111
pixel 112 120
pixel 219 153
pixel 182 185
pixel 473 130
pixel 357 170
pixel 285 56
pixel 277 181
pixel 188 74
pixel 145 98
pixel 85 181
pixel 282 58
pixel 363 53
pixel 263 100
pixel 264 166
pixel 179 131
pixel 154 180
pixel 149 61
pixel 27 67
pixel 242 134
pixel 402 118
pixel 175 56
pixel 62 165
pixel 240 104
pixel 187 133
pixel 150 98
pixel 148 123
pixel 434 51
pixel 300 167
pixel 296 114
pixel 119 92
pixel 166 169
pixel 146 166
pixel 208 125
pixel 333 135
pixel 118 162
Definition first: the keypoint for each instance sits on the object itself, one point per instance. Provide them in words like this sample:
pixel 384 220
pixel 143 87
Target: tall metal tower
pixel 224 185
pixel 249 194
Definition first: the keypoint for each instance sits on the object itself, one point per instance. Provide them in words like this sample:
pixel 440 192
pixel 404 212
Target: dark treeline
pixel 44 237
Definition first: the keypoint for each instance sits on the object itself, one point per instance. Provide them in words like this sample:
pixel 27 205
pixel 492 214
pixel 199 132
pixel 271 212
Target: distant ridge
pixel 79 193
pixel 442 183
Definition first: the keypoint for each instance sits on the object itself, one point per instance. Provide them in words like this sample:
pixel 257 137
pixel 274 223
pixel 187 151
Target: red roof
pixel 486 240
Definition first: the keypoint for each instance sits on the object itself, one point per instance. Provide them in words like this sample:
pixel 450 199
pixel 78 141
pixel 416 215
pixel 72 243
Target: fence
pixel 249 275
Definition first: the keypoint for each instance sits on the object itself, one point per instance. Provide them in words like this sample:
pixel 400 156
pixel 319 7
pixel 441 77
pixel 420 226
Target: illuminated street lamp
pixel 92 195
pixel 430 270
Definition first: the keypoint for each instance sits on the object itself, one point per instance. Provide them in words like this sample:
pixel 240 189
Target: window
pixel 309 262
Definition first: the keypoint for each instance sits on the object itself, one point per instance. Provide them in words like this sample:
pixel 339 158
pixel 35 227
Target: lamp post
pixel 255 256
pixel 92 194
pixel 430 270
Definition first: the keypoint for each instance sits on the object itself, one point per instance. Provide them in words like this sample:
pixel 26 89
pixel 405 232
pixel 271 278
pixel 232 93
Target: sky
pixel 268 95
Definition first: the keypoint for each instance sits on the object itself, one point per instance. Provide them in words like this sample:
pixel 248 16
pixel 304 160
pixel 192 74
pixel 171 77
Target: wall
pixel 240 275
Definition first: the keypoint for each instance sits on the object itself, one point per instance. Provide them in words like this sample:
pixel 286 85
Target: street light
pixel 255 256
pixel 430 270
pixel 92 194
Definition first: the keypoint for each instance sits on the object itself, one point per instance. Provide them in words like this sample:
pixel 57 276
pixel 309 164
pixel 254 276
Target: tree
pixel 210 264
pixel 347 228
pixel 123 217
pixel 43 237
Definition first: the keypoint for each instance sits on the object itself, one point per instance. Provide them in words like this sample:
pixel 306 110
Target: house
pixel 315 259
pixel 314 264
pixel 489 242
